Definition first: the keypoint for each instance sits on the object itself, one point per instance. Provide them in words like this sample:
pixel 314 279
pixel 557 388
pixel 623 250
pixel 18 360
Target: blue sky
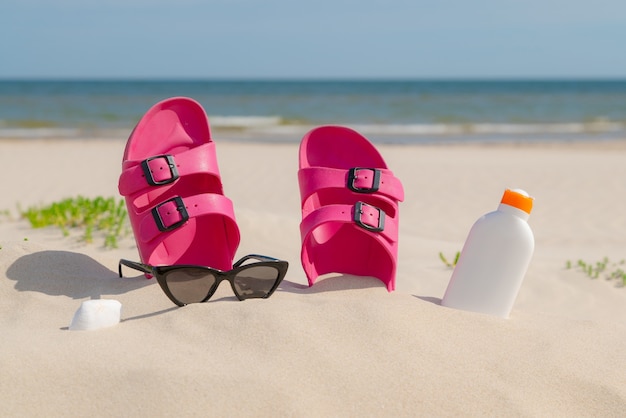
pixel 315 39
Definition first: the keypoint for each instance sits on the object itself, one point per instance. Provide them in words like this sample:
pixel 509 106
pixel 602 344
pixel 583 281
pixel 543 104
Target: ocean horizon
pixel 395 110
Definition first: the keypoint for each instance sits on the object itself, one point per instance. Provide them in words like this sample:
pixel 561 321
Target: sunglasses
pixel 185 284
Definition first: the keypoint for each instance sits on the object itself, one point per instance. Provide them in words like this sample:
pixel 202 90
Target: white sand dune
pixel 344 347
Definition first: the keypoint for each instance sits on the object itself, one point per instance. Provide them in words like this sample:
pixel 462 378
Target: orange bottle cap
pixel 518 199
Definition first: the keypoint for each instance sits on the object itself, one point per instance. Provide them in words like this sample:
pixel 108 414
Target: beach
pixel 345 347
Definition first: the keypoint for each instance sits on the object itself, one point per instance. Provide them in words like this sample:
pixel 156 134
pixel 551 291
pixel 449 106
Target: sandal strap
pixel 164 169
pixel 175 212
pixel 368 217
pixel 362 180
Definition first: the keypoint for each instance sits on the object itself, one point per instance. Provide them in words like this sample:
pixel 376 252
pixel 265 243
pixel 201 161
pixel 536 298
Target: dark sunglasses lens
pixel 189 285
pixel 255 281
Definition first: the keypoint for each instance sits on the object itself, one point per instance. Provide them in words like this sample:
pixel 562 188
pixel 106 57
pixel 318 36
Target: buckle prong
pixel 180 207
pixel 145 166
pixel 358 212
pixel 353 176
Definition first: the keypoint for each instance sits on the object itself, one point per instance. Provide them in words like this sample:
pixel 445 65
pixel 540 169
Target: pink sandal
pixel 173 189
pixel 349 206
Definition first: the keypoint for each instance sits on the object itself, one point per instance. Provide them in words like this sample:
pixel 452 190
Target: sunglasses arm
pixel 257 257
pixel 144 268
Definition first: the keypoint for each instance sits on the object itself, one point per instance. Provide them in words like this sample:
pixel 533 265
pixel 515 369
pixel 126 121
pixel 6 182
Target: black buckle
pixel 180 207
pixel 148 173
pixel 358 212
pixel 353 175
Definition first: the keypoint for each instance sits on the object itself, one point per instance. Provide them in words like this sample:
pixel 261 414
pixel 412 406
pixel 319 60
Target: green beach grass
pixel 92 215
pixel 449 264
pixel 609 270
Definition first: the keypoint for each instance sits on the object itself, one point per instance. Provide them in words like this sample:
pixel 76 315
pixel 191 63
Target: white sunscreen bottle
pixel 494 259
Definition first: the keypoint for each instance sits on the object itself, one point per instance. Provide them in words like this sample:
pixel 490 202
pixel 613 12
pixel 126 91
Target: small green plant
pixel 603 268
pixel 5 214
pixel 98 214
pixel 448 263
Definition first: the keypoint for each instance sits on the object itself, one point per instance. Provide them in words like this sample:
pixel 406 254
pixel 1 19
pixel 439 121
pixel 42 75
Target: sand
pixel 344 347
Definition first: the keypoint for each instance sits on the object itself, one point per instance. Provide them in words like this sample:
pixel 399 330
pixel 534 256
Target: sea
pixel 386 111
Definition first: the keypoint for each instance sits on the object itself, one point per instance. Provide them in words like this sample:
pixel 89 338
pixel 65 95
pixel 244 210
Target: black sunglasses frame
pixel 159 273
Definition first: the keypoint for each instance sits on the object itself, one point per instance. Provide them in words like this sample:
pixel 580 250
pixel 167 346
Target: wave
pixel 494 128
pixel 278 125
pixel 245 122
pixel 284 128
pixel 19 133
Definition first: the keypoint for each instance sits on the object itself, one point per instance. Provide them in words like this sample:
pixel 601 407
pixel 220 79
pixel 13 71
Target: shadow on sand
pixel 69 274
